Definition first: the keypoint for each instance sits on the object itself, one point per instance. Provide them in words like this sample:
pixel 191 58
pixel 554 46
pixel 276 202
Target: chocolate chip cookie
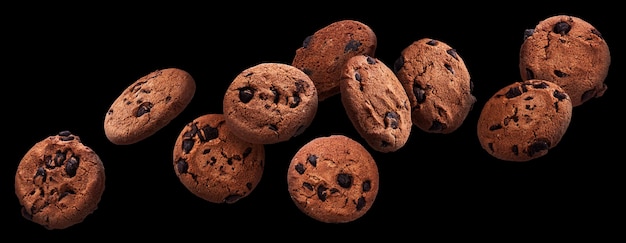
pixel 570 52
pixel 438 84
pixel 333 179
pixel 270 103
pixel 376 103
pixel 214 164
pixel 323 54
pixel 59 181
pixel 523 120
pixel 148 105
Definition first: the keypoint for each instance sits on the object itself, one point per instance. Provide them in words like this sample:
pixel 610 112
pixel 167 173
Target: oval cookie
pixel 148 105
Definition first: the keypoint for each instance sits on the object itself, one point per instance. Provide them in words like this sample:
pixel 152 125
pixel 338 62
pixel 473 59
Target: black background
pixel 64 67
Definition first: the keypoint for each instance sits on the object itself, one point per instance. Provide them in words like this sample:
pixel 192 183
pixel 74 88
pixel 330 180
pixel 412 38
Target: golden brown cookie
pixel 333 179
pixel 214 164
pixel 523 120
pixel 323 54
pixel 270 103
pixel 568 51
pixel 148 105
pixel 59 181
pixel 438 84
pixel 376 103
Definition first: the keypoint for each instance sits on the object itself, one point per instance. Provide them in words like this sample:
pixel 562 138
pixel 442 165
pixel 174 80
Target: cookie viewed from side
pixel 524 120
pixel 59 181
pixel 214 164
pixel 376 103
pixel 323 54
pixel 333 179
pixel 270 103
pixel 570 52
pixel 437 83
pixel 148 104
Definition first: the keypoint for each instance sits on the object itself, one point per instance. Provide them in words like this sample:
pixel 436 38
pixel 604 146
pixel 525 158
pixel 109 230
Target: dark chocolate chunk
pixel 453 53
pixel 65 133
pixel 40 172
pixel 437 126
pixel 321 192
pixel 71 166
pixel 246 94
pixel 272 127
pixel 300 168
pixel 559 73
pixel 449 68
pixel 541 85
pixel 367 186
pixel 391 119
pixel 596 32
pixel 587 95
pixel 513 92
pixel 206 151
pixel 528 33
pixel 300 86
pixel 249 185
pixel 357 77
pixel 397 65
pixel 538 146
pixel 210 133
pixel 420 94
pixel 559 95
pixel 334 190
pixel 515 150
pixel 232 198
pixel 490 145
pixel 312 159
pixel 352 45
pixel 68 138
pixel 65 193
pixel 187 145
pixel 143 109
pixel 562 28
pixel 495 127
pixel 432 42
pixel 371 60
pixel 276 94
pixel 307 185
pixel 295 101
pixel 344 180
pixel 246 152
pixel 182 166
pixel 360 203
pixel 306 41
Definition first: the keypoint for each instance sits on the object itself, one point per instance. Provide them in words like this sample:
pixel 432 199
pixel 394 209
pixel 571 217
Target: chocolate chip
pixel 206 151
pixel 371 60
pixel 306 41
pixel 295 101
pixel 449 68
pixel 276 94
pixel 596 32
pixel 397 65
pixel 232 198
pixel 249 185
pixel 65 193
pixel 68 138
pixel 541 85
pixel 210 133
pixel 307 185
pixel 559 95
pixel 191 133
pixel 65 133
pixel 452 52
pixel 515 150
pixel 437 126
pixel 246 94
pixel 562 28
pixel 513 92
pixel 530 74
pixel 528 33
pixel 187 145
pixel 559 73
pixel 182 166
pixel 300 168
pixel 538 146
pixel 59 159
pixel 384 144
pixel 246 152
pixel 495 127
pixel 367 186
pixel 420 94
pixel 360 203
pixel 391 119
pixel 300 86
pixel 352 45
pixel 312 159
pixel 71 166
pixel 143 109
pixel 321 192
pixel 490 145
pixel 272 127
pixel 587 95
pixel 357 77
pixel 432 42
pixel 344 180
pixel 40 172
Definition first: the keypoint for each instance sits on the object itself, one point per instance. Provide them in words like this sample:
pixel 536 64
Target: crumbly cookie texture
pixel 376 103
pixel 524 120
pixel 437 83
pixel 333 179
pixel 324 53
pixel 59 181
pixel 148 105
pixel 570 52
pixel 270 103
pixel 214 164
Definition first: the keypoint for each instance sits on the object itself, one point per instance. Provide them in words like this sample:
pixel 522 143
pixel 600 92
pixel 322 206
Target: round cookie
pixel 523 120
pixel 333 179
pixel 437 83
pixel 376 103
pixel 323 54
pixel 214 164
pixel 270 103
pixel 568 51
pixel 148 105
pixel 59 181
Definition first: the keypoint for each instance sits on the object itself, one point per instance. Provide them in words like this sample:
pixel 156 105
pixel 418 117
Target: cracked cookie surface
pixel 148 104
pixel 376 103
pixel 523 120
pixel 270 103
pixel 333 179
pixel 568 51
pixel 438 84
pixel 59 181
pixel 215 165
